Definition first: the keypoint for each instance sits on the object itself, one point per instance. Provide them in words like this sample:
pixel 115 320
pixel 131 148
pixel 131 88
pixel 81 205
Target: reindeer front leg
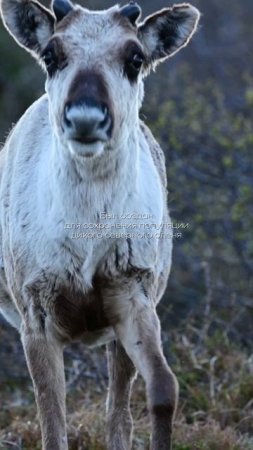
pixel 139 332
pixel 121 376
pixel 44 355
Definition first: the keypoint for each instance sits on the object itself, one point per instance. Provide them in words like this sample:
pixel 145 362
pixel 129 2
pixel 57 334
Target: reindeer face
pixel 95 62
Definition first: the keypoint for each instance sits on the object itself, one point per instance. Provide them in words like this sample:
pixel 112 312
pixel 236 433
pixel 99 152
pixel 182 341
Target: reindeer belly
pixel 78 315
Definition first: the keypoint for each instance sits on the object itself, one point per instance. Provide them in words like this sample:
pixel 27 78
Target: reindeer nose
pixel 87 121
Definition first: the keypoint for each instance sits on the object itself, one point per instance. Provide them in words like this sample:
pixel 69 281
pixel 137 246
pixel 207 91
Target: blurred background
pixel 199 105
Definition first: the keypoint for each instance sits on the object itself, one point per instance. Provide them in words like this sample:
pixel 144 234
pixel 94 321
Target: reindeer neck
pixel 97 184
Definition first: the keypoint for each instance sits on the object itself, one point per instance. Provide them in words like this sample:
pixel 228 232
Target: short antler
pixel 132 11
pixel 61 8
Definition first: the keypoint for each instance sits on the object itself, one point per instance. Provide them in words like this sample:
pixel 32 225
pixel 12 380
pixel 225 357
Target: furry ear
pixel 167 31
pixel 30 23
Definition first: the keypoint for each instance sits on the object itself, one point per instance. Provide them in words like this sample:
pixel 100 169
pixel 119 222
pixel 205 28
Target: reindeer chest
pixel 64 302
pixel 60 305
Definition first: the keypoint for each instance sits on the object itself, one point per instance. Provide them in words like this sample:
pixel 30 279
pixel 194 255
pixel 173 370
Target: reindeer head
pixel 95 63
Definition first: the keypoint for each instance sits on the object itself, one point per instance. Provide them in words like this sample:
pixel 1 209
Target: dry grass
pixel 216 395
pixel 215 410
pixel 86 432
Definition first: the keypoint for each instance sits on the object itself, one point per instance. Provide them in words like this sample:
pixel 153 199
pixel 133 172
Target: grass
pixel 215 375
pixel 215 408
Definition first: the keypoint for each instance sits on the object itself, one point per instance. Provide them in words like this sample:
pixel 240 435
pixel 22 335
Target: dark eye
pixel 133 65
pixel 137 61
pixel 50 59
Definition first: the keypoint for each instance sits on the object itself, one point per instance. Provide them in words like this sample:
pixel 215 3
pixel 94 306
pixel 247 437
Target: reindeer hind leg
pixel 121 376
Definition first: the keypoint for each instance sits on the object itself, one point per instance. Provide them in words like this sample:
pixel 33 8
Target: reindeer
pixel 80 155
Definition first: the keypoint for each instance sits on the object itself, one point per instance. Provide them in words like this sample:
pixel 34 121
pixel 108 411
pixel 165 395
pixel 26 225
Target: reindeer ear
pixel 167 31
pixel 30 23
